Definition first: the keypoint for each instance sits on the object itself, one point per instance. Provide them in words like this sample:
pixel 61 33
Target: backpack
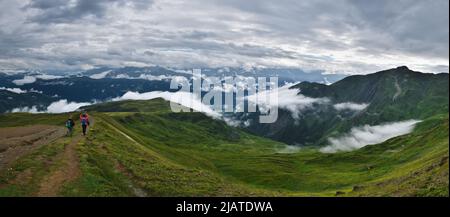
pixel 84 121
pixel 68 124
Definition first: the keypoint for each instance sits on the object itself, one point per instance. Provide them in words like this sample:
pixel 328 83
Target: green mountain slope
pixel 10 100
pixel 140 148
pixel 392 95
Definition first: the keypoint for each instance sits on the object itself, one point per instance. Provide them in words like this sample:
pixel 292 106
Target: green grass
pixel 23 178
pixel 421 96
pixel 24 119
pixel 152 173
pixel 151 151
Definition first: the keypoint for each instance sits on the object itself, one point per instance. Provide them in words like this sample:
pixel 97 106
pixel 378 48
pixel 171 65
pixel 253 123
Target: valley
pixel 381 134
pixel 224 107
pixel 142 148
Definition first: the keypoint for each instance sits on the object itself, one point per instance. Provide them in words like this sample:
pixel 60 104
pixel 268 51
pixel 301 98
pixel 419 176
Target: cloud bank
pixel 150 77
pixel 186 99
pixel 48 77
pixel 100 75
pixel 350 106
pixel 14 90
pixel 20 91
pixel 60 106
pixel 289 99
pixel 289 149
pixel 25 80
pixel 349 36
pixel 63 106
pixel 28 79
pixel 359 137
pixel 32 109
pixel 285 98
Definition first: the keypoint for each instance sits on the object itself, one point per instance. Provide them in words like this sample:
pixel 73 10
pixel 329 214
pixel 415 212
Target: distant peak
pixel 400 69
pixel 403 68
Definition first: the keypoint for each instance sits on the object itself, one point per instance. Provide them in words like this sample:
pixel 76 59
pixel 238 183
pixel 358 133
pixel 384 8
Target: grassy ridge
pixel 126 165
pixel 196 141
pixel 142 149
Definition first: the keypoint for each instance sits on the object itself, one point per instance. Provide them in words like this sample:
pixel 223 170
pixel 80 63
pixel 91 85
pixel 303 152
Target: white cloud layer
pixel 48 77
pixel 100 75
pixel 289 149
pixel 150 77
pixel 350 106
pixel 359 137
pixel 14 90
pixel 28 79
pixel 63 106
pixel 25 80
pixel 186 99
pixel 286 98
pixel 32 109
pixel 60 106
pixel 20 91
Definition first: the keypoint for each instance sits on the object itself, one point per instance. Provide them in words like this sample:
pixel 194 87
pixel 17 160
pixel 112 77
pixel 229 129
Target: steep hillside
pixel 392 95
pixel 140 148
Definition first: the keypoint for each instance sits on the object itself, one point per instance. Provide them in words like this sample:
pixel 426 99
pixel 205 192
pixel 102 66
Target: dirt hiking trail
pixel 69 171
pixel 16 142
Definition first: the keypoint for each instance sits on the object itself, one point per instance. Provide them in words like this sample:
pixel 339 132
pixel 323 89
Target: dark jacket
pixel 70 123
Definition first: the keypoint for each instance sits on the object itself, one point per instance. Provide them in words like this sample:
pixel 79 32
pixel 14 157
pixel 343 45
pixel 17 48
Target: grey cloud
pixel 412 26
pixel 358 36
pixel 46 4
pixel 198 35
pixel 63 11
pixel 406 25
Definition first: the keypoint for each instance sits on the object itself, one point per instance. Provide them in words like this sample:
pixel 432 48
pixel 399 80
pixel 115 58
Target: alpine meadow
pixel 235 99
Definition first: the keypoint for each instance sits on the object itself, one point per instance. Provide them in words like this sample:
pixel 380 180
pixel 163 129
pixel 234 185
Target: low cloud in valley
pixel 359 137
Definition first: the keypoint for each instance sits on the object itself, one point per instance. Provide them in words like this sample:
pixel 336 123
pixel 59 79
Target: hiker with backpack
pixel 84 119
pixel 69 124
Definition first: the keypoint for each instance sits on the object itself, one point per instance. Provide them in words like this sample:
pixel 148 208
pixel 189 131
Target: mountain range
pixel 22 88
pixel 381 134
pixel 392 95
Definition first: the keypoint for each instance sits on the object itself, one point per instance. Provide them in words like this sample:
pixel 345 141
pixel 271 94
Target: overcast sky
pixel 338 36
